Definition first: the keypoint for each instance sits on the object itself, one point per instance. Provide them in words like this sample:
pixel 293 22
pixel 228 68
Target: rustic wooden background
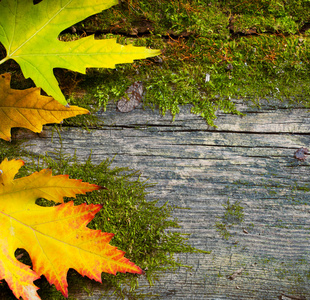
pixel 249 159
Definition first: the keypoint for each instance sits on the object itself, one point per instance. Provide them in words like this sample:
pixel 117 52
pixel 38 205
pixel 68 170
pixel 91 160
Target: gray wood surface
pixel 249 159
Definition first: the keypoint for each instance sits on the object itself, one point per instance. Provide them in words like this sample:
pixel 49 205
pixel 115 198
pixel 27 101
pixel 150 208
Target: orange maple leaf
pixel 29 109
pixel 56 237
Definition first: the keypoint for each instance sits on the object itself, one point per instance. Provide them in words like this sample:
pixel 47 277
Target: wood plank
pixel 249 159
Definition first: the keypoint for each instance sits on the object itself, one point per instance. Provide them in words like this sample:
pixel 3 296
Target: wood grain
pixel 249 159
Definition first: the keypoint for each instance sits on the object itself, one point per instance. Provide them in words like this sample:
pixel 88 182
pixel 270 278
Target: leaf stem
pixel 3 60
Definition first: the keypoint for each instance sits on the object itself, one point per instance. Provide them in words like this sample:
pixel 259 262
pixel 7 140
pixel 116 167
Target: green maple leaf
pixel 29 33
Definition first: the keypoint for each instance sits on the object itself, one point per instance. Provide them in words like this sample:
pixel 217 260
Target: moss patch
pixel 251 49
pixel 233 215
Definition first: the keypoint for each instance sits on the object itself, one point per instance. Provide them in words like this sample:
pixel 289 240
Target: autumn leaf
pixel 29 109
pixel 56 237
pixel 29 34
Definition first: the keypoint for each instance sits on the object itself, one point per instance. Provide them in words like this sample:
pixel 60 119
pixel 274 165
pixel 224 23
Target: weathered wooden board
pixel 249 159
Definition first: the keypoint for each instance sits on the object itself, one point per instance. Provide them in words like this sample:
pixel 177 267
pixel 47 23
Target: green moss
pixel 11 150
pixel 223 231
pixel 233 215
pixel 296 10
pixel 297 193
pixel 198 38
pixel 288 271
pixel 210 37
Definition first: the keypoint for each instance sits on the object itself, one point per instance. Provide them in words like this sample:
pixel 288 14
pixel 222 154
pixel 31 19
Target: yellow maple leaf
pixel 29 33
pixel 56 238
pixel 29 109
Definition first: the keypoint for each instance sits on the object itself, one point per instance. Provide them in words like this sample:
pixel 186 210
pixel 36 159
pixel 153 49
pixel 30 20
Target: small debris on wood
pixel 245 231
pixel 301 153
pixel 235 274
pixel 229 67
pixel 132 98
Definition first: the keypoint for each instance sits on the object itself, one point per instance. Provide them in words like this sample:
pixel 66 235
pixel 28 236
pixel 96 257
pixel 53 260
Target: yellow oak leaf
pixel 56 238
pixel 29 109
